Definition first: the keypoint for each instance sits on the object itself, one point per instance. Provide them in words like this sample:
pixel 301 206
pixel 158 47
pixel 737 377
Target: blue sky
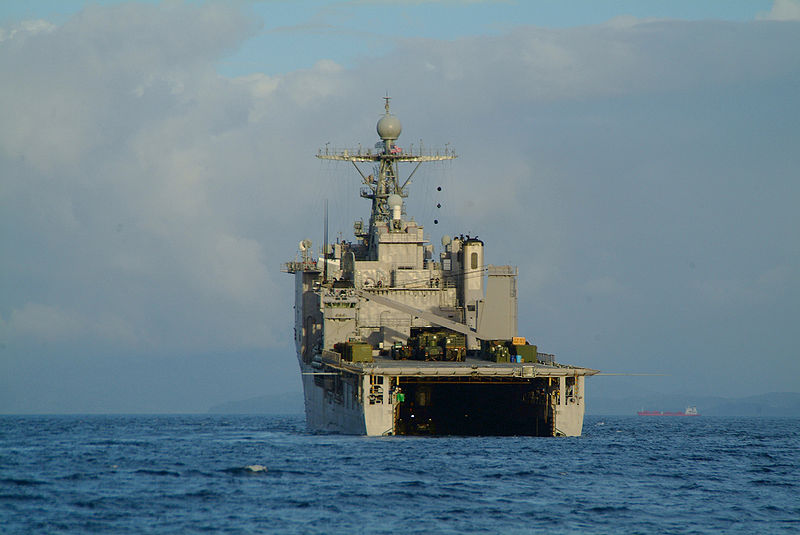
pixel 306 31
pixel 636 160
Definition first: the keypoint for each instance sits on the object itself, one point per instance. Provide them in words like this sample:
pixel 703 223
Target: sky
pixel 637 160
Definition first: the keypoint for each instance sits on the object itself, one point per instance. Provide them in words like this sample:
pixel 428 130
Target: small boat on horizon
pixel 690 411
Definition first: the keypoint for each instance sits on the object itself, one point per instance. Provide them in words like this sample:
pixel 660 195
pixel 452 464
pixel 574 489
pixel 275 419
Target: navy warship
pixel 394 339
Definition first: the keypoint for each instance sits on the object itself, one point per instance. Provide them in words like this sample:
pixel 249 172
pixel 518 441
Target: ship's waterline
pixel 394 339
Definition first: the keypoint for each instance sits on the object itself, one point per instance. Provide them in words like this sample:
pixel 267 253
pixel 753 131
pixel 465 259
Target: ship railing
pixel 546 358
pixel 409 151
pixel 331 357
pixel 299 265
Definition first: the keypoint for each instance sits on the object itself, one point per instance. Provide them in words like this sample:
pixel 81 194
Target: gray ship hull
pixel 474 397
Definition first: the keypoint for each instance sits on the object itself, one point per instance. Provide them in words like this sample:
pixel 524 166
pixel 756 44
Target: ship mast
pixel 385 159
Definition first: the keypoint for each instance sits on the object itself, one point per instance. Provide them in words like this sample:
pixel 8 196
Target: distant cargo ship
pixel 690 411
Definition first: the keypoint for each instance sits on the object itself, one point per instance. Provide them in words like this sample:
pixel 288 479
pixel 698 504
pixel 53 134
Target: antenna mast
pixel 385 159
pixel 325 247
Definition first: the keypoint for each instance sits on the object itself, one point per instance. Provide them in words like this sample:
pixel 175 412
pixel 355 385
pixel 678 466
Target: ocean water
pixel 267 474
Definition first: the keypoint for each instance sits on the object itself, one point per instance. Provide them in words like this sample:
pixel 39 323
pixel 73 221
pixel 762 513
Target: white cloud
pixel 782 10
pixel 55 324
pixel 26 27
pixel 418 2
pixel 113 177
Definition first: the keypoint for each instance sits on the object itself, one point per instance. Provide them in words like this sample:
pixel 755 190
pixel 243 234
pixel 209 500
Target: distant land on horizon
pixel 775 404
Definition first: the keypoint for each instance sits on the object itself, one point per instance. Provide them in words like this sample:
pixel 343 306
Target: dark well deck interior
pixel 474 397
pixel 474 406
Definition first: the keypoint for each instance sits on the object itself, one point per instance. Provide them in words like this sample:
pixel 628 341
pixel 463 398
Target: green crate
pixel 354 351
pixel 527 352
pixel 360 352
pixel 496 351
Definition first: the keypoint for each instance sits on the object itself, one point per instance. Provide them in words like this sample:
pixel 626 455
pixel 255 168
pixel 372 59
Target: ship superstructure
pixel 394 339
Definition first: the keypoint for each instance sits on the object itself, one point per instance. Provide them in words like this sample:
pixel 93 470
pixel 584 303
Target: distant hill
pixel 286 403
pixel 776 404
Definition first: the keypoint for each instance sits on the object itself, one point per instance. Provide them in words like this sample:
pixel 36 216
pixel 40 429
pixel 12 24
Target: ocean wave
pixel 21 482
pixel 250 469
pixel 149 472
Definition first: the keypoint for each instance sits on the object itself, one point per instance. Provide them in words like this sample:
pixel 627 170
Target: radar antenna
pixel 385 159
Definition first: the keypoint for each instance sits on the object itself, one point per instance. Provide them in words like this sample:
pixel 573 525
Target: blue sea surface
pixel 199 473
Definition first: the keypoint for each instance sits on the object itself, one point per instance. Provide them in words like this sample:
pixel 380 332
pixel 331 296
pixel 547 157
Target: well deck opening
pixel 470 406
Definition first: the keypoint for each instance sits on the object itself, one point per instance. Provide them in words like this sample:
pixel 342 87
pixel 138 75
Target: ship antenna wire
pixel 325 247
